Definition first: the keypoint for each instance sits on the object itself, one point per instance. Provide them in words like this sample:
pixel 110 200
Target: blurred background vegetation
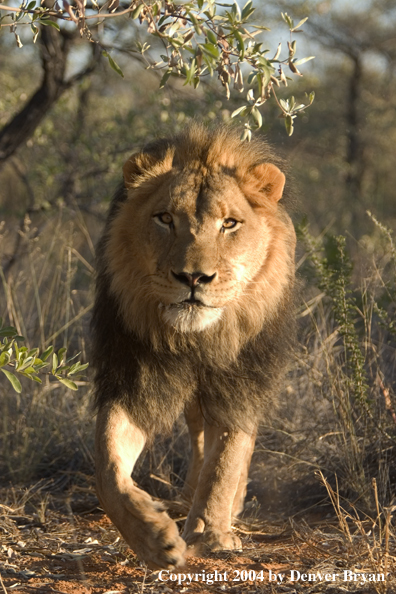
pixel 338 407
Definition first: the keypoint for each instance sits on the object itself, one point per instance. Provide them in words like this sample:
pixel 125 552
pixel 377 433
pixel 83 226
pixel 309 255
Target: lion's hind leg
pixel 146 527
pixel 195 424
pixel 239 499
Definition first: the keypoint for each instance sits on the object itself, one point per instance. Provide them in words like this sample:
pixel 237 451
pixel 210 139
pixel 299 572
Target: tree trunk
pixel 354 156
pixel 54 49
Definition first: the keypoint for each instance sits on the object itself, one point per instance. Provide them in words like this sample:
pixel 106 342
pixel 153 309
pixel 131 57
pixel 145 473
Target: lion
pixel 194 313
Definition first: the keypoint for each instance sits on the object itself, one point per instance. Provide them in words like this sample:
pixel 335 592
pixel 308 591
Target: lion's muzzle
pixel 190 315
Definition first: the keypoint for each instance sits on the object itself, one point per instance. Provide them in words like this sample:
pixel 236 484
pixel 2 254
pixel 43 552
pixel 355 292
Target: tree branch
pixel 54 49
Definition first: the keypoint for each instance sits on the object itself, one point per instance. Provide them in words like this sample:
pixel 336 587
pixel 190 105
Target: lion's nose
pixel 194 279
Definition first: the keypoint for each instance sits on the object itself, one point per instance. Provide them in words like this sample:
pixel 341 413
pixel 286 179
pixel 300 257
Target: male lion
pixel 193 312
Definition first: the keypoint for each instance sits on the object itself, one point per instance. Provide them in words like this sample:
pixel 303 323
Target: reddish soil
pixel 66 553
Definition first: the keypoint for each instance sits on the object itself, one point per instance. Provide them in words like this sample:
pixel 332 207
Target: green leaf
pixel 285 104
pixel 277 53
pixel 190 72
pixel 113 64
pixel 267 71
pixel 247 10
pixel 289 21
pixel 74 357
pixel 242 111
pixel 165 78
pixel 257 116
pixel 16 384
pixel 49 22
pixel 240 44
pixel 246 135
pixel 176 42
pixel 195 23
pixel 173 28
pixel 260 28
pixel 61 354
pixel 54 363
pixel 198 29
pixel 4 358
pixel 300 107
pixel 289 124
pixel 26 363
pixel 137 11
pixel 77 368
pixel 236 10
pixel 8 332
pixel 39 365
pixel 212 38
pixel 299 24
pixel 27 370
pixel 68 383
pixel 303 60
pixel 47 353
pixel 211 49
pixel 209 63
pixel 211 11
pixel 35 378
pixel 74 368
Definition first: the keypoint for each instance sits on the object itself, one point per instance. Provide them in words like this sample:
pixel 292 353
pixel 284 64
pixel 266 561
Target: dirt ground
pixel 51 544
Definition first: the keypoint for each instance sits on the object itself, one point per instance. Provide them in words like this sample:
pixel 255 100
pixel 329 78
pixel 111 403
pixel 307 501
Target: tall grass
pixel 46 295
pixel 350 347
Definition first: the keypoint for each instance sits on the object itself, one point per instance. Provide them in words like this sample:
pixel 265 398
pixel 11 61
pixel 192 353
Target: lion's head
pixel 199 243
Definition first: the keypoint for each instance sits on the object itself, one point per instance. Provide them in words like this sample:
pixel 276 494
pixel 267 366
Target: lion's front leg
pixel 148 530
pixel 209 520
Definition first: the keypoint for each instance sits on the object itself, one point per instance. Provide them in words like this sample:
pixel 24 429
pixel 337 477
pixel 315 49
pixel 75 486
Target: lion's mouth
pixel 192 301
pixel 190 315
pixel 186 304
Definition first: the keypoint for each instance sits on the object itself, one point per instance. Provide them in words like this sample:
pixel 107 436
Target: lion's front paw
pixel 159 544
pixel 147 528
pixel 214 540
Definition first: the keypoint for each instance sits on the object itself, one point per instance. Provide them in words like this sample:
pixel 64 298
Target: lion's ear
pixel 156 159
pixel 270 180
pixel 136 165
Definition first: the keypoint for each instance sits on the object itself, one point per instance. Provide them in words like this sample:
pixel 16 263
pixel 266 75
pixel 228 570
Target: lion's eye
pixel 165 218
pixel 229 224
